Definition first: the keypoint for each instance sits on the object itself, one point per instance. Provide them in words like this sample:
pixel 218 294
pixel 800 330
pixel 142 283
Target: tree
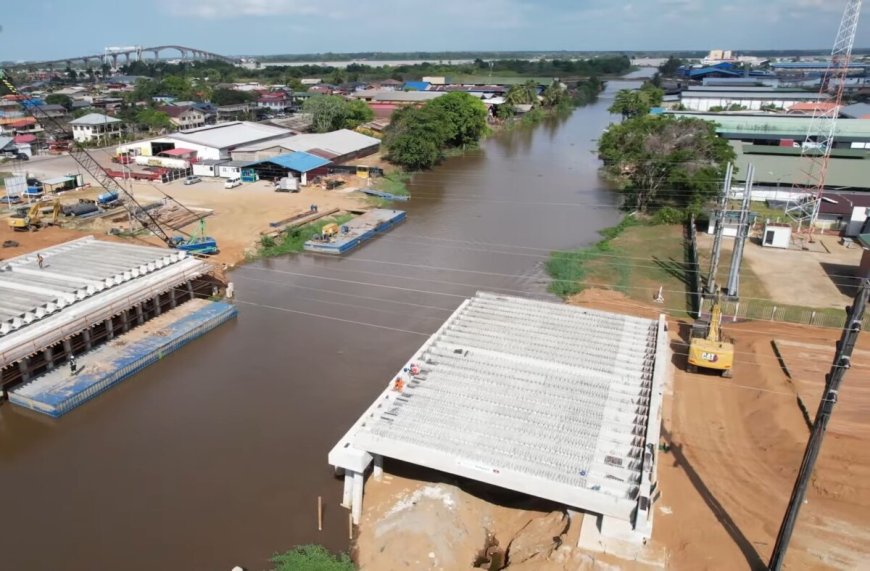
pixel 632 103
pixel 415 137
pixel 59 99
pixel 464 116
pixel 153 120
pixel 358 112
pixel 105 70
pixel 554 95
pixel 665 161
pixel 671 66
pixel 328 112
pixel 523 94
pixel 71 73
pixel 223 96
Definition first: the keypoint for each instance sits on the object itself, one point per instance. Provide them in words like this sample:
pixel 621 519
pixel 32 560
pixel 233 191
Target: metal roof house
pixel 750 98
pixel 296 164
pixel 553 401
pixel 338 146
pixel 95 126
pixel 211 141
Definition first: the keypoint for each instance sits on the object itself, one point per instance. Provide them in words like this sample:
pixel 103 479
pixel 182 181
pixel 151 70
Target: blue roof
pixel 295 161
pixel 704 71
pixel 417 85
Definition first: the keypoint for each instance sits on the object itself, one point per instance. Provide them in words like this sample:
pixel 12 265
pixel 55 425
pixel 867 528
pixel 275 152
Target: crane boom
pixel 816 150
pixel 84 158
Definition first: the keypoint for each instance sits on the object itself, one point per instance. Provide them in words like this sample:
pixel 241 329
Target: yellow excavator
pixel 708 348
pixel 25 219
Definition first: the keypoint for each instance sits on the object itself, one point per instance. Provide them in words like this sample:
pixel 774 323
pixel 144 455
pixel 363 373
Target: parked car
pixel 233 182
pixel 193 179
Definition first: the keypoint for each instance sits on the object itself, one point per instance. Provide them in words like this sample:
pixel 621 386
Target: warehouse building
pixel 554 401
pixel 338 146
pixel 209 142
pixel 298 165
pixel 702 98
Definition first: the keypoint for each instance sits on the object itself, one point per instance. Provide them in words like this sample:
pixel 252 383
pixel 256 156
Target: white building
pixel 704 98
pixel 95 127
pixel 210 142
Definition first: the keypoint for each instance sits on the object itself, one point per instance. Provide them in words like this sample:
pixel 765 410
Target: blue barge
pixel 59 391
pixel 356 231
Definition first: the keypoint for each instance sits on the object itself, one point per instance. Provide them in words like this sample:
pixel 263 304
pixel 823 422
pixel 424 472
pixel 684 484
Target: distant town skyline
pixel 52 29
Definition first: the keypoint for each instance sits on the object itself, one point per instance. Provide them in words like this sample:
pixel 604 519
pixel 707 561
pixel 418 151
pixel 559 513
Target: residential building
pixel 96 127
pixel 184 117
pixel 275 101
pixel 53 111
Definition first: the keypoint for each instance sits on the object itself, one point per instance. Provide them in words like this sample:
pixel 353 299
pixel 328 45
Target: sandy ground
pixel 240 214
pixel 795 277
pixel 736 446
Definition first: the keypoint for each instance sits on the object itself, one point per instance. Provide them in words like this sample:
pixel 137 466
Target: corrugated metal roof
pixel 177 152
pixel 734 94
pixel 856 110
pixel 5 142
pixel 407 96
pixel 341 142
pixel 417 85
pixel 57 180
pixel 227 135
pixel 781 170
pixel 296 161
pixel 94 119
pixel 772 126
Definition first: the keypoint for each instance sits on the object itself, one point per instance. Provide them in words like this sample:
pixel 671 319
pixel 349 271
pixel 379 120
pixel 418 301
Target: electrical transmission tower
pixel 816 149
pixel 842 362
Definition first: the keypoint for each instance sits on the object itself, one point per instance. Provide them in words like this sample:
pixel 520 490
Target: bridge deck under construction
pixel 554 401
pixel 83 287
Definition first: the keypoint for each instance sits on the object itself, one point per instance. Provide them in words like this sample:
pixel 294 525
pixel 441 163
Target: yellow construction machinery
pixel 25 219
pixel 708 349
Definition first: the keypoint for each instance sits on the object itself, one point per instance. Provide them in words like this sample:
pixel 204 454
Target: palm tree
pixel 523 94
pixel 554 94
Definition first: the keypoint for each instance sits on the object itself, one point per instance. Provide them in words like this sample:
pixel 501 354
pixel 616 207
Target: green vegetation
pixel 395 183
pixel 59 99
pixel 224 96
pixel 311 558
pixel 670 67
pixel 331 113
pixel 152 119
pixel 636 102
pixel 291 241
pixel 418 136
pixel 621 262
pixel 665 161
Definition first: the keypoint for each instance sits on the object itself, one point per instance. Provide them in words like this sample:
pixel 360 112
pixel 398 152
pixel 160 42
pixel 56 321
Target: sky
pixel 54 29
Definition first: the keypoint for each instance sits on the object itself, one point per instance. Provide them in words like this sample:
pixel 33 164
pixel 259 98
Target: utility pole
pixel 842 362
pixel 720 225
pixel 733 289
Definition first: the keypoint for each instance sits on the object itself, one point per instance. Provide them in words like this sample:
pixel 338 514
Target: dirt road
pixel 736 446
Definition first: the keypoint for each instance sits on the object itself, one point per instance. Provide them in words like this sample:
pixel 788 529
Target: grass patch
pixel 292 241
pixel 311 558
pixel 632 257
pixel 395 183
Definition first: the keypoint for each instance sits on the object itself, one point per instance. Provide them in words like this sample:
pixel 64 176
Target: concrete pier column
pixel 48 352
pixel 156 302
pixel 172 301
pixel 347 496
pixel 67 348
pixel 86 335
pixel 190 289
pixel 140 315
pixel 125 322
pixel 356 507
pixel 24 367
pixel 378 471
pixel 110 330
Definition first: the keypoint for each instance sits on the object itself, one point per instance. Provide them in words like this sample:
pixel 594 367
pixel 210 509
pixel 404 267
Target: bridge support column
pixel 110 329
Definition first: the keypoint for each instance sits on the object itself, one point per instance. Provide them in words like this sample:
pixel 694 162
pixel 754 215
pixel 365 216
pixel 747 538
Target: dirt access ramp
pixel 736 445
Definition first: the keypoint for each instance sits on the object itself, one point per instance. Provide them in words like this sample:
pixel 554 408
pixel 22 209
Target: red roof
pixel 26 122
pixel 23 139
pixel 813 105
pixel 178 152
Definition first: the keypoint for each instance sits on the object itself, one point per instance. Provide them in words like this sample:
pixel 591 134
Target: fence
pixel 756 309
pixel 693 269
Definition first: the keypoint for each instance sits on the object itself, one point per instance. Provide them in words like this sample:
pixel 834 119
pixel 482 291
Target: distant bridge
pixel 126 55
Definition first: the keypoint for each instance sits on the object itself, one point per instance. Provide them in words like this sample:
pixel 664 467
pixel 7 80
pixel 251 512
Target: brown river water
pixel 215 456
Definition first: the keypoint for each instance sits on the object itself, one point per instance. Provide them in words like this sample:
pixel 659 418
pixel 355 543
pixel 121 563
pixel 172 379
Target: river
pixel 215 455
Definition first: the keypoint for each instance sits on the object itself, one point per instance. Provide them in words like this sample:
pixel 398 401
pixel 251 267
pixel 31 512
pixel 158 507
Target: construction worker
pixel 40 260
pixel 73 365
